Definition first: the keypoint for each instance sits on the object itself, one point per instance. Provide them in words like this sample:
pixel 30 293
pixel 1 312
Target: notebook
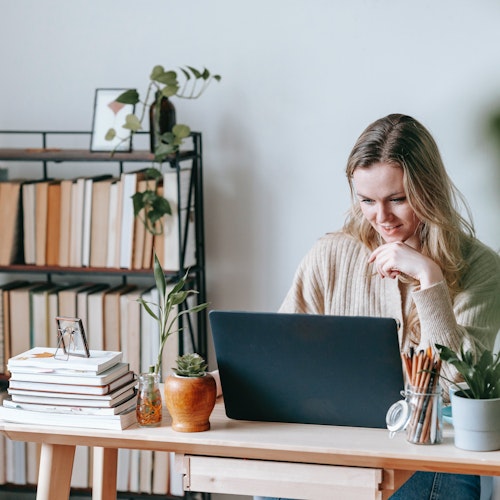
pixel 312 369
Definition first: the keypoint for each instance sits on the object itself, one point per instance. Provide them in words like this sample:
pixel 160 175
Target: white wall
pixel 301 79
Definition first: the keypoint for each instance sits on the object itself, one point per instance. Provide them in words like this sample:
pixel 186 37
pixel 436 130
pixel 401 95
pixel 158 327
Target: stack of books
pixel 97 392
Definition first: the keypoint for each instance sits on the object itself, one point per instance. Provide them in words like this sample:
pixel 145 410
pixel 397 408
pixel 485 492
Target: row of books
pixel 89 222
pixel 118 322
pixel 48 387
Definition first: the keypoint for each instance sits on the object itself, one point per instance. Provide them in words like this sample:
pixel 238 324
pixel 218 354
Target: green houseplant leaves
pixel 481 374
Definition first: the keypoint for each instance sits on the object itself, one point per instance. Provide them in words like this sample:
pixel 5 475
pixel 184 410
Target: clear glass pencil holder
pixel 419 415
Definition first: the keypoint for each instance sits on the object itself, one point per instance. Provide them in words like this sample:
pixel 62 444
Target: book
pixel 160 480
pixel 88 193
pixel 41 204
pixel 100 222
pixel 150 337
pixel 47 387
pixel 11 245
pixel 80 472
pixel 5 349
pixel 82 302
pixel 145 468
pixel 126 405
pixel 43 358
pixel 68 398
pixel 139 230
pixel 92 400
pixel 42 325
pixel 114 224
pixel 20 327
pixel 123 470
pixel 53 223
pixel 95 332
pixel 3 439
pixel 130 328
pixel 76 239
pixel 129 182
pixel 110 422
pixel 68 298
pixel 112 323
pixel 28 200
pixel 65 222
pixel 30 373
pixel 179 228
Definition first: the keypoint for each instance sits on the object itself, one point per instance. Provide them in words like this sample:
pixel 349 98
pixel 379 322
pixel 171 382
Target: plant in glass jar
pixel 166 312
pixel 165 134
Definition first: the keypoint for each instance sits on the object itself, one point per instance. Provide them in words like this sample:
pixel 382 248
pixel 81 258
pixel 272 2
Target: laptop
pixel 311 369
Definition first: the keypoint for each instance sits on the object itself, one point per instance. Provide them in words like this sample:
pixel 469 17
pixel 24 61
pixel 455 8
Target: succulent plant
pixel 190 365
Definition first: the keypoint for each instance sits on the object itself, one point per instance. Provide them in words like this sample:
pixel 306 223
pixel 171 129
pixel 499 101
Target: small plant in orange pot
pixel 190 394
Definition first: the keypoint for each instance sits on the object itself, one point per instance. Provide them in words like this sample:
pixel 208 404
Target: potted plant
pixel 166 135
pixel 476 409
pixel 167 313
pixel 190 394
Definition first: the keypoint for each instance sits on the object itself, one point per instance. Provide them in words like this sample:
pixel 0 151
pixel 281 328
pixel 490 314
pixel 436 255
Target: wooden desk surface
pixel 314 444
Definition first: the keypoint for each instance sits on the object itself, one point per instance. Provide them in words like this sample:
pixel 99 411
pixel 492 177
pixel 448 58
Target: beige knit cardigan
pixel 336 278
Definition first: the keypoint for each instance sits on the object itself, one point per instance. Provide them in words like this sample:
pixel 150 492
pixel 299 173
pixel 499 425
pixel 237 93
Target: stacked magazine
pixel 97 392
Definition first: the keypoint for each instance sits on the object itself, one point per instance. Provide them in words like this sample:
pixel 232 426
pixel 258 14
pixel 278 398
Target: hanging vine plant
pixel 162 85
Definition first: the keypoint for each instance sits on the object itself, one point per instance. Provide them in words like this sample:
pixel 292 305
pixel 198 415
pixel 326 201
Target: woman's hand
pixel 392 259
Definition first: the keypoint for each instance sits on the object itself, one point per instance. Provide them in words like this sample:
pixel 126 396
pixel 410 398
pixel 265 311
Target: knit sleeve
pixel 472 318
pixel 306 294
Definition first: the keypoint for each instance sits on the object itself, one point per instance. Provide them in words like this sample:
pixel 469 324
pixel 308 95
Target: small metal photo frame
pixel 71 339
pixel 110 114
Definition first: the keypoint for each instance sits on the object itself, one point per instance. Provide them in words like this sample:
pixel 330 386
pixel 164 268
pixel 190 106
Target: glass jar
pixel 149 402
pixel 420 414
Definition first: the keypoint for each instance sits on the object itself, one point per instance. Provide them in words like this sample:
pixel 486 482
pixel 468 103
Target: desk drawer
pixel 285 479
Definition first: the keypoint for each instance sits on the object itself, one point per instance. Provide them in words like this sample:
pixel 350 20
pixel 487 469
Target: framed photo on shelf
pixel 71 338
pixel 110 114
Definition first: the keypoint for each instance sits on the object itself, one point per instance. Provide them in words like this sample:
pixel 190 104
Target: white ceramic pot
pixel 476 423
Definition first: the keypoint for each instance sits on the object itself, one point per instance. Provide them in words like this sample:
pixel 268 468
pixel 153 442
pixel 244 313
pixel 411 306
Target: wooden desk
pixel 255 458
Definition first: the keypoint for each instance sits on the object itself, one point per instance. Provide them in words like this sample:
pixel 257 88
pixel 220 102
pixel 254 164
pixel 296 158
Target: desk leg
pixel 54 475
pixel 104 473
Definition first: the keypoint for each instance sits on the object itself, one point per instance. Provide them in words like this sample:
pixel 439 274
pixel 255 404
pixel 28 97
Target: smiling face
pixel 382 198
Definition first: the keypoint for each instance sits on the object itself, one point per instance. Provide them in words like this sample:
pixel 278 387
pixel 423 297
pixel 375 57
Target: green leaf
pixel 130 96
pixel 159 278
pixel 153 173
pixel 110 134
pixel 195 72
pixel 161 204
pixel 132 123
pixel 148 309
pixel 181 131
pixel 169 90
pixel 217 77
pixel 156 72
pixel 186 74
pixel 179 297
pixel 138 202
pixel 167 78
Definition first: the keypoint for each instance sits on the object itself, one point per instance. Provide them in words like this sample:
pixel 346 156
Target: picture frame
pixel 110 114
pixel 71 338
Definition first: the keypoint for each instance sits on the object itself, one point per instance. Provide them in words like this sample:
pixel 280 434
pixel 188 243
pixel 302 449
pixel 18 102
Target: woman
pixel 406 252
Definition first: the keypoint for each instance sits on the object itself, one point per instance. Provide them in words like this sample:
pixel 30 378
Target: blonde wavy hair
pixel 444 233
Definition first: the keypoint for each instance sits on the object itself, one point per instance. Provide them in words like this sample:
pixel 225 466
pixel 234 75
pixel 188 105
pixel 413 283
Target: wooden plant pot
pixel 190 401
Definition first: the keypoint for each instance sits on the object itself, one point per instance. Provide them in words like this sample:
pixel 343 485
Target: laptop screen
pixel 303 368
